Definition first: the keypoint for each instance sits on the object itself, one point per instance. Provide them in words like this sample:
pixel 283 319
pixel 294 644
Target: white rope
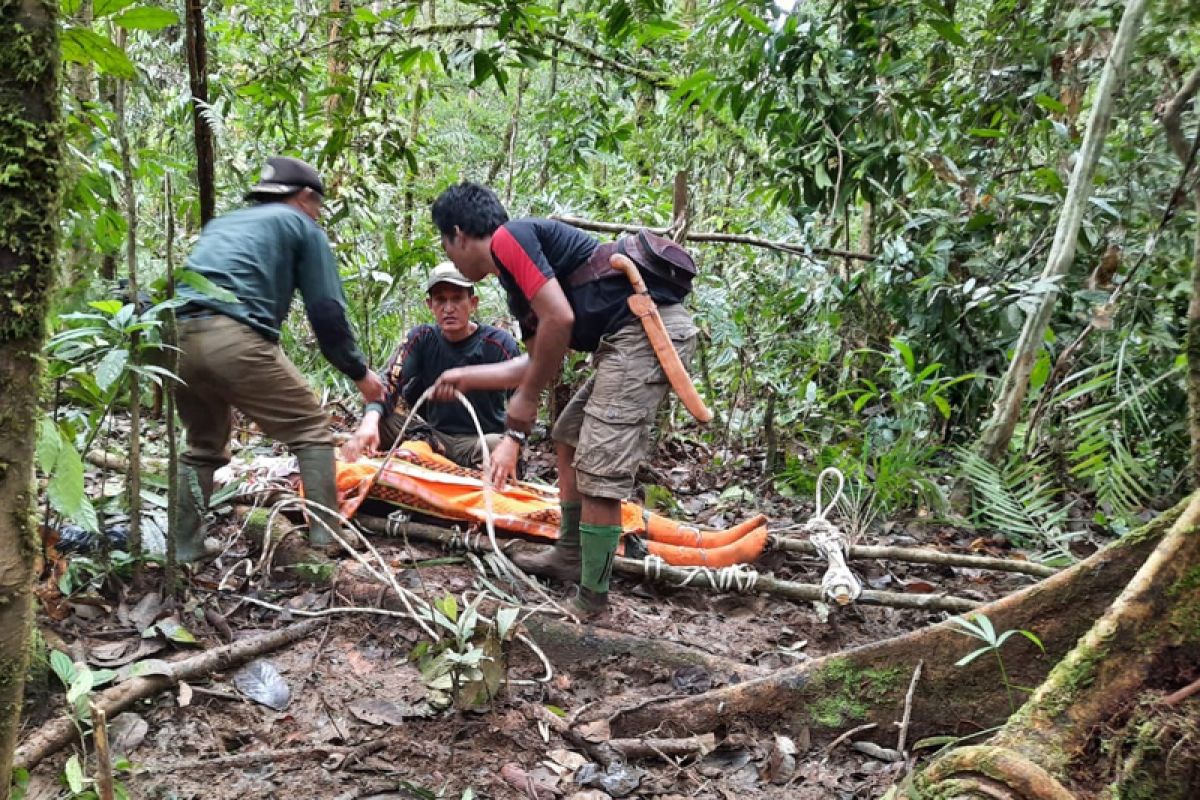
pixel 740 577
pixel 839 582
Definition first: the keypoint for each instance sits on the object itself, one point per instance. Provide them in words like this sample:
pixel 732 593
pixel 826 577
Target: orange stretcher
pixel 418 479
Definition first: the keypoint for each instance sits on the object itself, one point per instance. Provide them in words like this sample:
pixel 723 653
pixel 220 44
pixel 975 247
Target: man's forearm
pixel 495 377
pixel 549 348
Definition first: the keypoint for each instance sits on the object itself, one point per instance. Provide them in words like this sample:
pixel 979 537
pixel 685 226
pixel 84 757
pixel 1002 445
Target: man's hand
pixel 365 440
pixel 371 387
pixel 522 412
pixel 449 382
pixel 504 463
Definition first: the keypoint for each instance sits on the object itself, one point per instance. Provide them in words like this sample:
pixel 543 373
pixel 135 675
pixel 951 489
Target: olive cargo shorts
pixel 225 365
pixel 608 421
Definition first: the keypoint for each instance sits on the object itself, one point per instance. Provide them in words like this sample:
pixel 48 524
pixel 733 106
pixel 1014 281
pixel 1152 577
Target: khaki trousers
pixel 225 365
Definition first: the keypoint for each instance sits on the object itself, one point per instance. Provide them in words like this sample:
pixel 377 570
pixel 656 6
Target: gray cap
pixel 284 175
pixel 446 272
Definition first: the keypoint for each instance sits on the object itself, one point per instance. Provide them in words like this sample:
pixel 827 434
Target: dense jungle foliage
pixel 915 157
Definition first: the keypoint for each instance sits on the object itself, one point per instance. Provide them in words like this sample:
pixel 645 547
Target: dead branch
pixel 116 463
pixel 60 732
pixel 566 643
pixel 240 760
pixel 920 555
pixel 866 684
pixel 634 749
pixel 792 248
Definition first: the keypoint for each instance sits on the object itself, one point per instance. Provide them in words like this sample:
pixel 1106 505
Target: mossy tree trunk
pixel 869 683
pixel 30 145
pixel 1103 697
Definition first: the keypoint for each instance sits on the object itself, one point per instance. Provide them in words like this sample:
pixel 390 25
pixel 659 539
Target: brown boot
pixel 562 562
pixel 590 605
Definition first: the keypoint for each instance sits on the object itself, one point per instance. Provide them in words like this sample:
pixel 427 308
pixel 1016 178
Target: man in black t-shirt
pixel 427 352
pixel 565 296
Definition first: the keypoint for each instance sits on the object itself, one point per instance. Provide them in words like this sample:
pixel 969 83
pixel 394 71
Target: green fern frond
pixel 1017 500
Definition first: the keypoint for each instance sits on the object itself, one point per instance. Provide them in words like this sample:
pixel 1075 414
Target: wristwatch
pixel 516 436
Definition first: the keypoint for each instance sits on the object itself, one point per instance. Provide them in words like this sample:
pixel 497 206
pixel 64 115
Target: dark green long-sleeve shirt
pixel 263 254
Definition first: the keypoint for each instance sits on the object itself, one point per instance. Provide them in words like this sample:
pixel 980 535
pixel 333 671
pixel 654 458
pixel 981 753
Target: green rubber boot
pixel 599 551
pixel 319 475
pixel 564 560
pixel 192 494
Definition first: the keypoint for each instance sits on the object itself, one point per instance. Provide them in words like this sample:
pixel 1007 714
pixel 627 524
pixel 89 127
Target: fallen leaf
pixel 597 731
pixel 118 654
pixel 185 695
pixel 261 682
pixel 142 615
pixel 125 732
pixel 567 760
pixel 385 712
pixel 536 785
pixel 920 587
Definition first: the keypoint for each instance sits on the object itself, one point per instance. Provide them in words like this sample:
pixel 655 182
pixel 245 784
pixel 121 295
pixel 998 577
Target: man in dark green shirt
pixel 229 345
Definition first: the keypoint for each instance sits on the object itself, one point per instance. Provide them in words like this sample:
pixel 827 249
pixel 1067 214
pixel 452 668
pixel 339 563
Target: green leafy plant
pixel 80 681
pixel 468 666
pixel 978 626
pixel 1018 500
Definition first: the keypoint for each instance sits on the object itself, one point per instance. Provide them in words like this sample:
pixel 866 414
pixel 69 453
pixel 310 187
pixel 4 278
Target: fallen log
pixel 681 576
pixel 868 684
pixel 920 555
pixel 1149 630
pixel 118 463
pixel 61 731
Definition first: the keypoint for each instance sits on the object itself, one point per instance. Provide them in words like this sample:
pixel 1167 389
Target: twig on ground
pixel 833 745
pixel 908 701
pixel 1175 698
pixel 104 773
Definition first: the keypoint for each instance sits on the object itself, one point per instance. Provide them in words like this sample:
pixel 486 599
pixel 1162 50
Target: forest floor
pixel 353 682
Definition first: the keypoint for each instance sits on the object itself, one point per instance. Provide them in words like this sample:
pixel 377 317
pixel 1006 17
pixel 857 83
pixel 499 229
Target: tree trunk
pixel 196 46
pixel 868 684
pixel 1148 637
pixel 29 210
pixel 133 478
pixel 1015 384
pixel 1173 127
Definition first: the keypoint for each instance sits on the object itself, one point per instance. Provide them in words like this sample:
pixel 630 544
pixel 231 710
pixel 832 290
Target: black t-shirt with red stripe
pixel 531 251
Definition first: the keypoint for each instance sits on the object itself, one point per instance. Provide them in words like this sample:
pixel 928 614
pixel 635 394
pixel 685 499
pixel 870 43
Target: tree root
pixel 990 772
pixel 1151 626
pixel 868 684
pixel 60 732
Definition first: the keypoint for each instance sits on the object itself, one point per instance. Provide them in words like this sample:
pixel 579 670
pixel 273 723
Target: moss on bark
pixel 30 146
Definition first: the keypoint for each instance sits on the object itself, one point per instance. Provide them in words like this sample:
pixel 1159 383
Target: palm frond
pixel 1017 500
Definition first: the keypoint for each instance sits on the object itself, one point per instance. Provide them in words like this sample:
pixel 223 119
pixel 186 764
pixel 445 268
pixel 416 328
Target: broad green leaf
pixel 505 618
pixel 105 8
pixel 63 666
pixel 66 490
pixel 73 772
pixel 111 368
pixel 943 405
pixel 906 353
pixel 986 133
pixel 974 654
pixel 1050 104
pixel 205 287
pixel 80 685
pixel 147 18
pixel 985 624
pixel 948 31
pixel 83 46
pixel 49 442
pixel 753 20
pixel 109 307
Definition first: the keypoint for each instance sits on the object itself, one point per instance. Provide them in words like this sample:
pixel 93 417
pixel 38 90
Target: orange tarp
pixel 419 479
